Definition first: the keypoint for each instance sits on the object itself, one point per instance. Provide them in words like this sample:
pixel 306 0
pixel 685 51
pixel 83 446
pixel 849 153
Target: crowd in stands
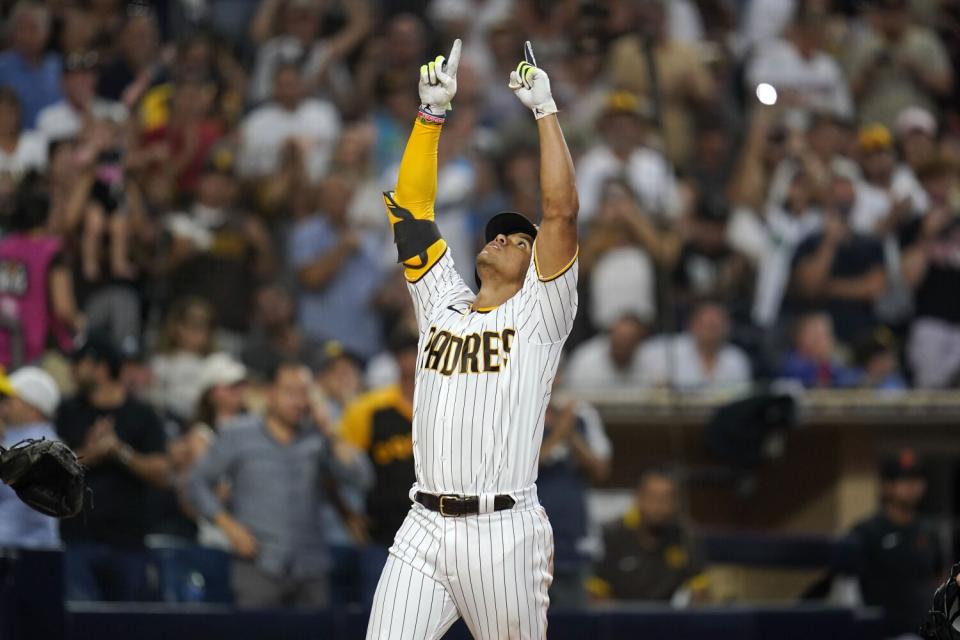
pixel 195 247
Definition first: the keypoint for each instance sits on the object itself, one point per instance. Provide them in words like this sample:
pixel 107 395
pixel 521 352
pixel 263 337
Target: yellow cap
pixel 875 137
pixel 626 102
pixel 6 389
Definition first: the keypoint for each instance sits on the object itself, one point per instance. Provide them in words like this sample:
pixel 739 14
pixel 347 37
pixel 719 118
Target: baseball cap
pixel 37 388
pixel 916 119
pixel 880 340
pixel 328 353
pixel 81 61
pixel 875 137
pixel 220 369
pixel 100 347
pixel 902 465
pixel 626 102
pixel 221 159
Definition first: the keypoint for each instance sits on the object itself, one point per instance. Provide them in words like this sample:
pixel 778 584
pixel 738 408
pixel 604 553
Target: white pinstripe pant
pixel 493 569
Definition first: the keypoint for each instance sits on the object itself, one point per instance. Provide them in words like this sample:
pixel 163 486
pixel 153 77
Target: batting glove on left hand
pixel 532 86
pixel 438 82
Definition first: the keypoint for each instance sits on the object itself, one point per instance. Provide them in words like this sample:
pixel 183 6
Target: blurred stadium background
pixel 754 435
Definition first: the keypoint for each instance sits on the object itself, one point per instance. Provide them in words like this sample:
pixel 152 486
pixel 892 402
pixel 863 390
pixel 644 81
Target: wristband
pixel 427 115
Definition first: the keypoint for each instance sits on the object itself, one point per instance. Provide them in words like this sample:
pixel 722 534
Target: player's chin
pixel 485 258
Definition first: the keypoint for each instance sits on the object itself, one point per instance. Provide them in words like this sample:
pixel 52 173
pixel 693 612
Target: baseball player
pixel 476 542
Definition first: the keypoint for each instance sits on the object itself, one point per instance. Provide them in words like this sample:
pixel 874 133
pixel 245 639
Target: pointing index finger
pixel 453 62
pixel 528 53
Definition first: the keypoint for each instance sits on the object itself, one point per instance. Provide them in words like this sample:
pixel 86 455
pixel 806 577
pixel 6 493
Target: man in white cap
pixel 30 398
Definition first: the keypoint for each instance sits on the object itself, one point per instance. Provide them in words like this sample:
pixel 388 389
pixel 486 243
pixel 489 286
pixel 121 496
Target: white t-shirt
pixel 874 203
pixel 61 121
pixel 818 81
pixel 622 282
pixel 674 360
pixel 764 20
pixel 590 367
pixel 647 171
pixel 265 130
pixel 31 153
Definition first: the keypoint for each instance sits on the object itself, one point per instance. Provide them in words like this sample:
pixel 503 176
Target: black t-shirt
pixel 699 272
pixel 938 295
pixel 380 422
pixel 117 509
pixel 223 276
pixel 898 568
pixel 637 568
pixel 856 257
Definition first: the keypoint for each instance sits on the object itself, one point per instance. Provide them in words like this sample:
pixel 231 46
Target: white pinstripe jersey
pixel 484 379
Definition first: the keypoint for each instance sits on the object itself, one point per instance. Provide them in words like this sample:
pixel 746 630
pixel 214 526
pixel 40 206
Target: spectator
pixel 650 554
pixel 338 269
pixel 292 117
pixel 700 359
pixel 616 255
pixel 575 453
pixel 840 269
pixel 624 151
pixel 181 141
pixel 30 398
pixel 275 336
pixel 803 73
pixel 881 202
pixel 899 559
pixel 20 150
pixel 27 67
pixel 814 361
pixel 784 228
pixel 897 64
pixel 380 423
pixel 221 402
pixel 177 365
pixel 121 442
pixel 930 246
pixel 138 62
pixel 63 120
pixel 36 298
pixel 319 59
pixel 338 375
pixel 90 211
pixel 707 264
pixel 685 82
pixel 877 362
pixel 278 467
pixel 609 360
pixel 917 139
pixel 218 253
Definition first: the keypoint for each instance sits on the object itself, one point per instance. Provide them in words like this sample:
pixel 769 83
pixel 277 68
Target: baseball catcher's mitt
pixel 46 475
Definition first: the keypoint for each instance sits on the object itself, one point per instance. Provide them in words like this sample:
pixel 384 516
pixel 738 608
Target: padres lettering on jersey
pixel 450 354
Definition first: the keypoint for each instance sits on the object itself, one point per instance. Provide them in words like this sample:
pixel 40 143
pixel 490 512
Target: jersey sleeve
pixel 431 276
pixel 549 302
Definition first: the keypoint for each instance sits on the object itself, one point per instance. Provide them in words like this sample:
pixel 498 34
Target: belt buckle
pixel 443 511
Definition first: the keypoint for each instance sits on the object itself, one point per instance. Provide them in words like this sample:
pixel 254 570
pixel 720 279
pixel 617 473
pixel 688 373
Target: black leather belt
pixel 453 505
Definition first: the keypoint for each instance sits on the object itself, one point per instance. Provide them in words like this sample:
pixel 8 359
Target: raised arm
pixel 410 206
pixel 556 244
